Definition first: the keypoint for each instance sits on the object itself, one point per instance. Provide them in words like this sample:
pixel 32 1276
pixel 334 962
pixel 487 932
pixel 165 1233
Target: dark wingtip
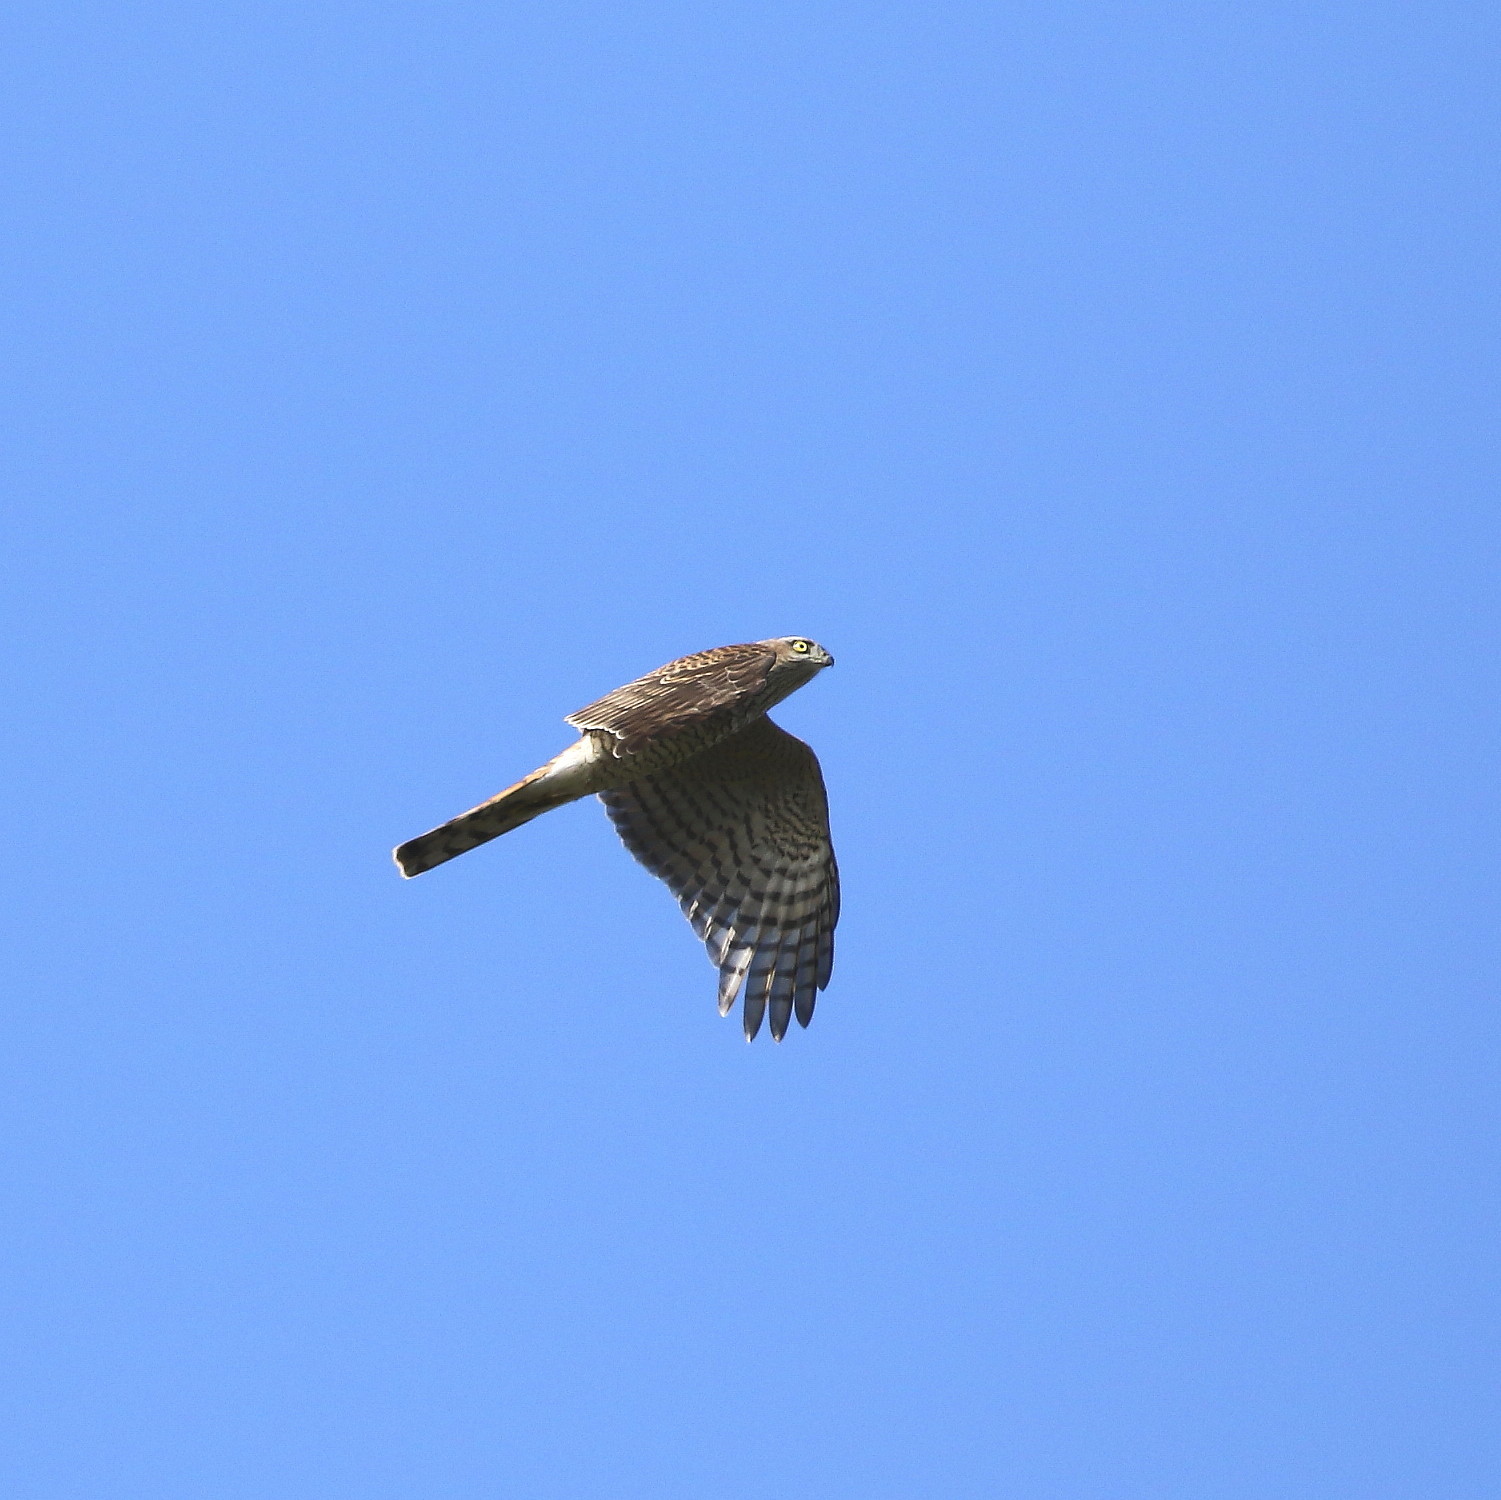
pixel 406 861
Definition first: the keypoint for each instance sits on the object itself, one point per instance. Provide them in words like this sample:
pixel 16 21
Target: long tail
pixel 558 782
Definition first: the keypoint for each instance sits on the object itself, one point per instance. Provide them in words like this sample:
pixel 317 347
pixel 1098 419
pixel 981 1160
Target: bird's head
pixel 798 651
pixel 797 660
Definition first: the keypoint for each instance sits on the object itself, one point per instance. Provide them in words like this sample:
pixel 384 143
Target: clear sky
pixel 1112 389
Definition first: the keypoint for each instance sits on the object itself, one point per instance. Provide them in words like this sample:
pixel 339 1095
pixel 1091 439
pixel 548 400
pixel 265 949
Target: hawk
pixel 713 798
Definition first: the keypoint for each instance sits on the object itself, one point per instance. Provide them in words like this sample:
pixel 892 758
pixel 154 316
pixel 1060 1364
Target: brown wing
pixel 680 695
pixel 741 834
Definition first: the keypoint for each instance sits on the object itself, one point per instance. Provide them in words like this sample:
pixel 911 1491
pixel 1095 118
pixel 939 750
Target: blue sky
pixel 1112 389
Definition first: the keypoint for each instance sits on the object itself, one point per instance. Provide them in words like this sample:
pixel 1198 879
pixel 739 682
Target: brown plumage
pixel 715 799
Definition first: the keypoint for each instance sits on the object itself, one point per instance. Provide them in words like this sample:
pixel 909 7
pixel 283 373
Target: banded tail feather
pixel 565 778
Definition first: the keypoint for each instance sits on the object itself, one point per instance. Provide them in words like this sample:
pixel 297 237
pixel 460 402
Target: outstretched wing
pixel 741 835
pixel 683 693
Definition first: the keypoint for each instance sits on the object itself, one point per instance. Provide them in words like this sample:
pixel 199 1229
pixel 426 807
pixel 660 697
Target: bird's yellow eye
pixel 801 647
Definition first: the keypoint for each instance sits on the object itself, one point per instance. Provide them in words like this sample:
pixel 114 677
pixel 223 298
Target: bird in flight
pixel 713 798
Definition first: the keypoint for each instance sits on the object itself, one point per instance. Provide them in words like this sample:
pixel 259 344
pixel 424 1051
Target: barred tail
pixel 506 810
